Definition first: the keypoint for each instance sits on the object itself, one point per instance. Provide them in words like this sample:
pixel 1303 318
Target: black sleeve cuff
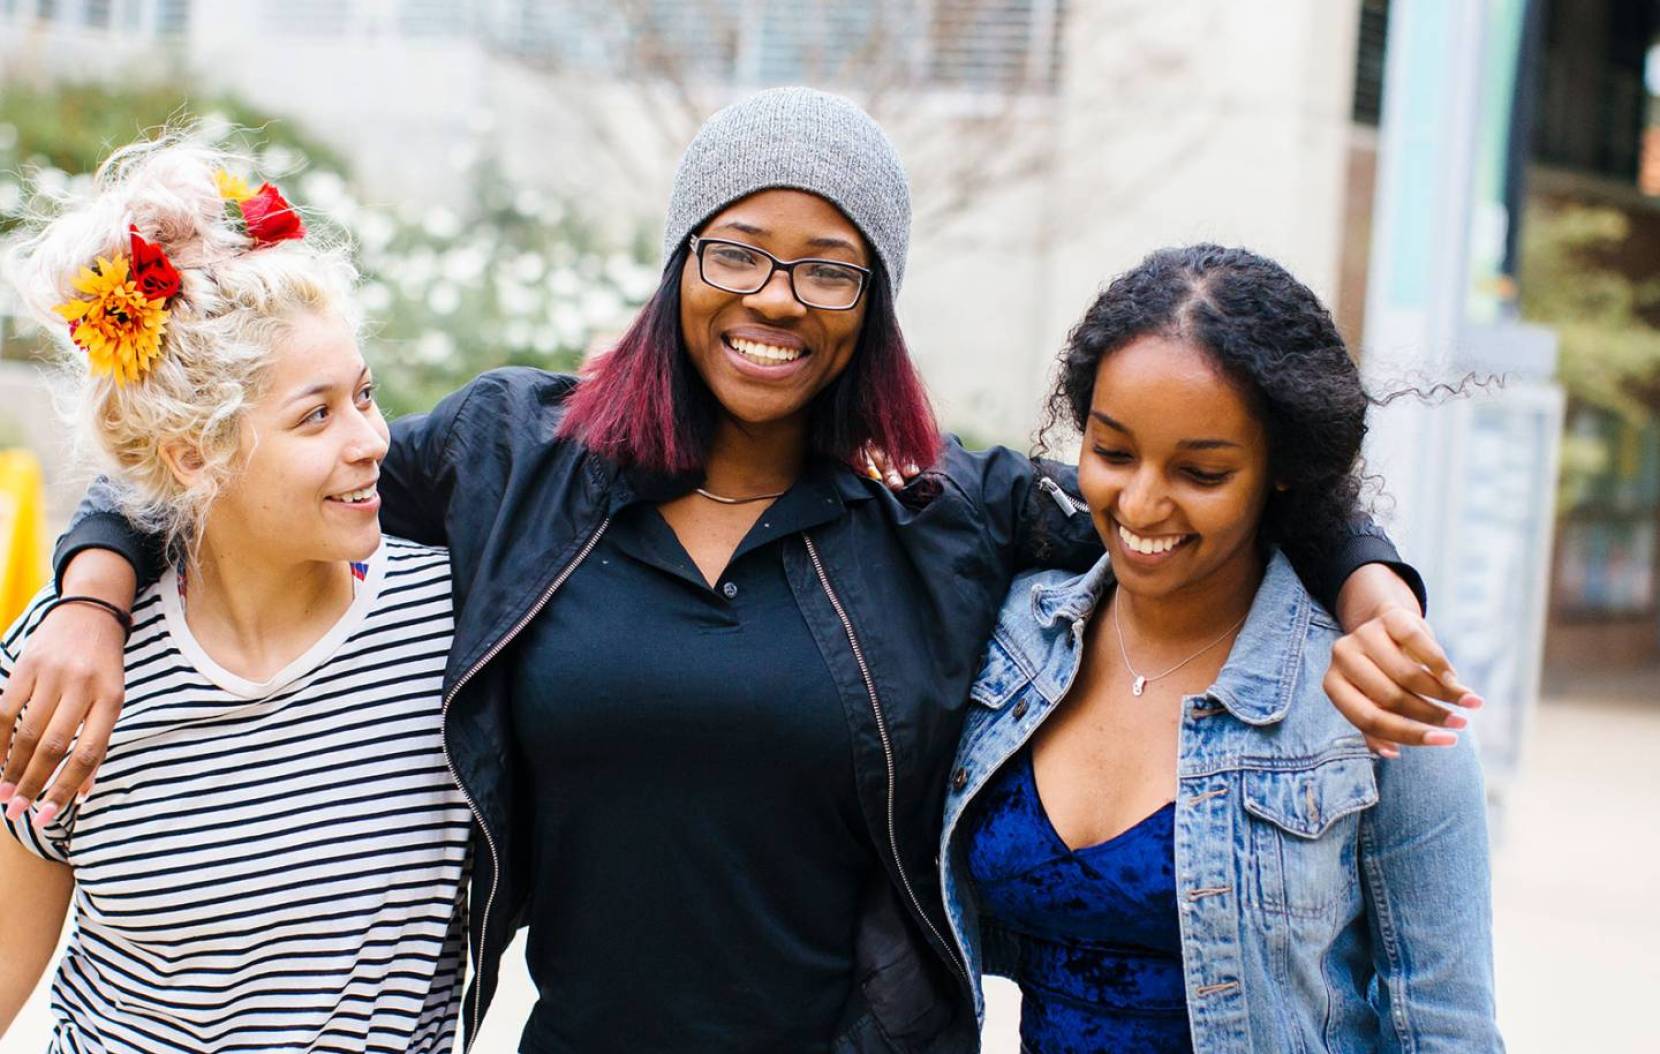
pixel 1360 549
pixel 106 530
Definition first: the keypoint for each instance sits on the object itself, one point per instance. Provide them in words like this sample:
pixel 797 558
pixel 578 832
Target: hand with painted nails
pixel 64 692
pixel 1383 677
pixel 874 462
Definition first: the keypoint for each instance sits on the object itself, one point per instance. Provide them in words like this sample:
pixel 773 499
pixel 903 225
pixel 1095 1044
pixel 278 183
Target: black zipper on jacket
pixel 489 842
pixel 887 754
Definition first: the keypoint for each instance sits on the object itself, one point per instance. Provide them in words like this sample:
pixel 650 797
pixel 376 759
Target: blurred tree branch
pixel 957 84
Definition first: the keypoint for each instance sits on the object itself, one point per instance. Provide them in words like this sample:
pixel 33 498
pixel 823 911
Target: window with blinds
pixel 433 18
pixel 172 17
pixel 974 45
pixel 316 18
pixel 1369 61
pixel 161 17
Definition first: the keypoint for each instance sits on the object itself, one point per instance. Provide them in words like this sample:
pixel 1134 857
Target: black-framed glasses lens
pixel 817 283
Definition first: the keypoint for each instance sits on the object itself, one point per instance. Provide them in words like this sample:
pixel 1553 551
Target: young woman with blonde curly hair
pixel 273 854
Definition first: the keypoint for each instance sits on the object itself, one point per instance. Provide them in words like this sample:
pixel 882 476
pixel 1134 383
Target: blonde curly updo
pixel 235 304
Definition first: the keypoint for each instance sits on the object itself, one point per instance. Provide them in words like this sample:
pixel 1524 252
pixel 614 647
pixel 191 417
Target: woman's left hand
pixel 1389 666
pixel 1383 675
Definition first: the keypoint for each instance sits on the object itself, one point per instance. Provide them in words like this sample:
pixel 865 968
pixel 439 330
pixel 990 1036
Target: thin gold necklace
pixel 1141 682
pixel 724 500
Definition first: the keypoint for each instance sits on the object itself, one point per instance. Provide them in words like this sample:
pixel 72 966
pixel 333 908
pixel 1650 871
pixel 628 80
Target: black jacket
pixel 900 593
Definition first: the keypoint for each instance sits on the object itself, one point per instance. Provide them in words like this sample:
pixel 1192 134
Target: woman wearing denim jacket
pixel 1172 844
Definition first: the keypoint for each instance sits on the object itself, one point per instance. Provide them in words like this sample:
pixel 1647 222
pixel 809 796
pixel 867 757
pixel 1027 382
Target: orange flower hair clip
pixel 121 322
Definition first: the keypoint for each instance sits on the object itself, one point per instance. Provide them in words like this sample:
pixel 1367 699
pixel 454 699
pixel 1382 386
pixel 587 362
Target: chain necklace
pixel 724 500
pixel 1141 681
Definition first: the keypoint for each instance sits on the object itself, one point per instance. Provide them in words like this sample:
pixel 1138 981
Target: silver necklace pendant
pixel 1139 685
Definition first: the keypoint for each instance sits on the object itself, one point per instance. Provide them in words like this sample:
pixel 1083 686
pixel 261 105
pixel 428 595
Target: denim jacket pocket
pixel 1000 677
pixel 1303 832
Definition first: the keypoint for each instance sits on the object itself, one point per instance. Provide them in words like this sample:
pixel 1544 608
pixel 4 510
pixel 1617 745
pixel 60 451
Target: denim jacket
pixel 1329 901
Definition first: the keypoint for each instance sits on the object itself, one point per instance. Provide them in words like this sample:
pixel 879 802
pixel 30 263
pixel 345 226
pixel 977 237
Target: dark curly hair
pixel 1273 338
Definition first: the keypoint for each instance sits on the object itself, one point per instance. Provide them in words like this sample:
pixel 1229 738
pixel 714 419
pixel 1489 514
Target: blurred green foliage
pixel 508 276
pixel 1609 357
pixel 72 127
pixel 1610 353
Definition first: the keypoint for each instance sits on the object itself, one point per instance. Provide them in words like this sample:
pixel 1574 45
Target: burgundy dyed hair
pixel 643 404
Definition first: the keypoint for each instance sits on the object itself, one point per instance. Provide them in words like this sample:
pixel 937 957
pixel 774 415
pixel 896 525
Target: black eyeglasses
pixel 738 268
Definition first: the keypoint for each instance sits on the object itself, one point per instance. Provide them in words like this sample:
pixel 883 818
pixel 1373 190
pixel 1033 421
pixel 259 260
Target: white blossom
pixel 434 347
pixel 444 298
pixel 441 224
pixel 375 297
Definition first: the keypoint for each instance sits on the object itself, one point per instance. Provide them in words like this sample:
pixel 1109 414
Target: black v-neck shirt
pixel 699 850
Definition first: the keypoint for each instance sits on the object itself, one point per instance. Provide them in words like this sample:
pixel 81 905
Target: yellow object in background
pixel 22 532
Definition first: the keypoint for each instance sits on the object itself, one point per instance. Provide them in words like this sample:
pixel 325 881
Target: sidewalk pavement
pixel 1576 879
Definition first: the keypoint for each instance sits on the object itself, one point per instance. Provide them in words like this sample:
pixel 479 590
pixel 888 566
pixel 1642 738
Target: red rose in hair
pixel 269 218
pixel 152 270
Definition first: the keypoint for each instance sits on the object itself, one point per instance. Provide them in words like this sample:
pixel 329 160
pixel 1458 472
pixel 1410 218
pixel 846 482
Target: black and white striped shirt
pixel 275 866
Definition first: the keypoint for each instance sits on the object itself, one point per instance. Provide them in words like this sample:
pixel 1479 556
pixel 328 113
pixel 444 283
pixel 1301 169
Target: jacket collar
pixel 1259 680
pixel 1072 598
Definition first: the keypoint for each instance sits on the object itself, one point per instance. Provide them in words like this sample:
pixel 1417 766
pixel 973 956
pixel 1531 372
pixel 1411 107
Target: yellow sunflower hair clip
pixel 121 322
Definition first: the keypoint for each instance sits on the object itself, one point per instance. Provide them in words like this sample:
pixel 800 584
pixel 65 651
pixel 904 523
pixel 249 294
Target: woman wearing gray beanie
pixel 707 679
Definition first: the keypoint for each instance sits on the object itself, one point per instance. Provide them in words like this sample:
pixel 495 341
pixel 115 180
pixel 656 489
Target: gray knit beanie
pixel 800 139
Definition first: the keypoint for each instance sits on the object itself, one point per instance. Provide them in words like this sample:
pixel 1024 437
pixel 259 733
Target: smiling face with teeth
pixel 1174 468
pixel 303 487
pixel 765 355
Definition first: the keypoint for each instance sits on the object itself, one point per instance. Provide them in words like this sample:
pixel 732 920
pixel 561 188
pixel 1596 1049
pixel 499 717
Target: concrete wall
pixel 1177 121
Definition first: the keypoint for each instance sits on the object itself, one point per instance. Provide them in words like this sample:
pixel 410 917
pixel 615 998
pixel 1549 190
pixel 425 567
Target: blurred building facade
pixel 1052 142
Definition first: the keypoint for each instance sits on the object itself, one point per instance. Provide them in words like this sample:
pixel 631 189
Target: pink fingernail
pixel 1440 739
pixel 1388 752
pixel 44 814
pixel 15 808
pixel 1472 701
pixel 6 792
pixel 1456 721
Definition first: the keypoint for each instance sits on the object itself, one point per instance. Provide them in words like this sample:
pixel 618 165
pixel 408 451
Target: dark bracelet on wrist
pixel 115 612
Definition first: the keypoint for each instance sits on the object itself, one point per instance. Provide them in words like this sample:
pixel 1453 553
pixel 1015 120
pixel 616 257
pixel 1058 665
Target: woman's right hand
pixel 70 677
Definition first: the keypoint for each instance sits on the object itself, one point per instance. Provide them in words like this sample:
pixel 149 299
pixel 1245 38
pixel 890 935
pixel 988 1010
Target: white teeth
pixel 765 353
pixel 1149 546
pixel 356 496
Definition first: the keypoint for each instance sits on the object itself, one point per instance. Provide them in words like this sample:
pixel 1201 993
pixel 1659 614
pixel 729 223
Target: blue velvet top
pixel 1101 962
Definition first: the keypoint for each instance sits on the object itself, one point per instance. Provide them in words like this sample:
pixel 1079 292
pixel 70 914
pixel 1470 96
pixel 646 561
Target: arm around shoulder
pixel 1426 872
pixel 1029 509
pixel 1356 574
pixel 418 475
pixel 428 450
pixel 99 525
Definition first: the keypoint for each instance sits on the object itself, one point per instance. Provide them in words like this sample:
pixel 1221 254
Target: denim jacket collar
pixel 1260 678
pixel 1259 681
pixel 1072 598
